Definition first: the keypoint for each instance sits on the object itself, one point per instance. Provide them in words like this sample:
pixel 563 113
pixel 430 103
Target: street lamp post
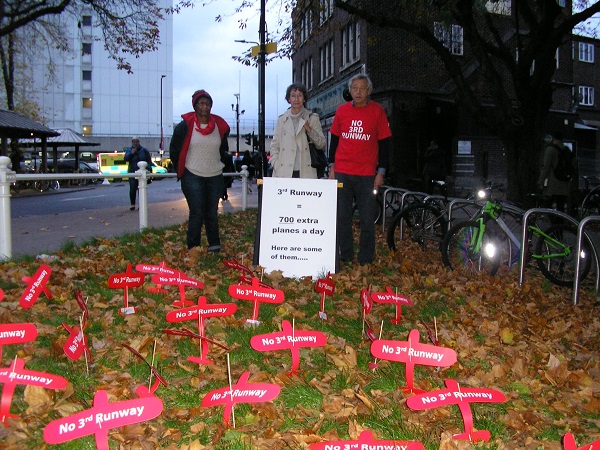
pixel 262 172
pixel 261 89
pixel 162 136
pixel 238 113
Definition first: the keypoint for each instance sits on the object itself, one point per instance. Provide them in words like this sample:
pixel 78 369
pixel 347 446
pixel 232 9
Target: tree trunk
pixel 523 164
pixel 8 70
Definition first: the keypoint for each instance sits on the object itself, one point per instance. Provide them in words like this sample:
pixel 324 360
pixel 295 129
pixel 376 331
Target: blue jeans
pixel 202 195
pixel 356 191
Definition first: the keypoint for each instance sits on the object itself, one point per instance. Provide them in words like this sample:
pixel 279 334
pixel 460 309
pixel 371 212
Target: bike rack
pixel 387 190
pixel 459 203
pixel 435 198
pixel 407 195
pixel 416 195
pixel 580 231
pixel 568 218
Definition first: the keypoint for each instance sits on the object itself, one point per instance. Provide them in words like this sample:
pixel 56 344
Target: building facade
pixel 420 98
pixel 91 96
pixel 586 81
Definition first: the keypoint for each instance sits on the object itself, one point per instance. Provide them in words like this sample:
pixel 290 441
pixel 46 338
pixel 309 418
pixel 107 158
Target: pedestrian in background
pixel 198 149
pixel 228 168
pixel 133 155
pixel 295 128
pixel 434 166
pixel 556 190
pixel 359 153
pixel 248 161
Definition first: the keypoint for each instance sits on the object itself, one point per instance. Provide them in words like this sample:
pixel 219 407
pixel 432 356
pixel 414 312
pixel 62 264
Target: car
pixel 68 166
pixel 25 168
pixel 158 169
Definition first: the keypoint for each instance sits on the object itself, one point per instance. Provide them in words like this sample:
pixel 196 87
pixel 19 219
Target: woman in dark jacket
pixel 197 150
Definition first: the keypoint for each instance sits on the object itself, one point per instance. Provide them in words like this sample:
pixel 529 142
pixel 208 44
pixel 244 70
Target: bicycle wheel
pixel 557 263
pixel 42 185
pixel 591 203
pixel 420 223
pixel 458 252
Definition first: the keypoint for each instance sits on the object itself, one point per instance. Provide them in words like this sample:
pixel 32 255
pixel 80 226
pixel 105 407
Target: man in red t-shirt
pixel 359 152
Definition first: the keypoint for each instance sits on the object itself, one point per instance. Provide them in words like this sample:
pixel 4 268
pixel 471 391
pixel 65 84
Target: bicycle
pixel 392 202
pixel 45 185
pixel 425 221
pixel 385 203
pixel 590 205
pixel 484 243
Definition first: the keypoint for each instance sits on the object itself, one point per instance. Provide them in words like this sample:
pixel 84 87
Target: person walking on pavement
pixel 133 155
pixel 197 149
pixel 556 190
pixel 290 155
pixel 229 168
pixel 359 153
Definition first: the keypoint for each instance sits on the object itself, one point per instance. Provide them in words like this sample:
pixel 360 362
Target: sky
pixel 202 59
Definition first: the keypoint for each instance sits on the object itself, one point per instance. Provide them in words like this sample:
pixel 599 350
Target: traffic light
pixel 248 138
pixel 254 142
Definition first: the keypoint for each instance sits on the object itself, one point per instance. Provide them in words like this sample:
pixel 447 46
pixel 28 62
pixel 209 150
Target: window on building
pixel 85 25
pixel 305 25
pixel 86 52
pixel 499 7
pixel 451 36
pixel 86 130
pixel 561 3
pixel 306 73
pixel 325 11
pixel 586 52
pixel 326 53
pixel 586 95
pixel 86 105
pixel 86 76
pixel 350 43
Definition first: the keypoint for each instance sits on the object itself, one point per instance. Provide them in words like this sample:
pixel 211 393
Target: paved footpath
pixel 46 234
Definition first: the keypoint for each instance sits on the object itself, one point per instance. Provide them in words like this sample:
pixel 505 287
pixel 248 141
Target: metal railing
pixel 580 233
pixel 7 177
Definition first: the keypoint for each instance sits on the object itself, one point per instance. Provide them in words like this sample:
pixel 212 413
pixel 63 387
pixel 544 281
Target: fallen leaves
pixel 527 341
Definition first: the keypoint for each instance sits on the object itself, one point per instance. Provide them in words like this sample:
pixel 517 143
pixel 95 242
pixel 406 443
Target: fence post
pixel 142 176
pixel 244 172
pixel 6 178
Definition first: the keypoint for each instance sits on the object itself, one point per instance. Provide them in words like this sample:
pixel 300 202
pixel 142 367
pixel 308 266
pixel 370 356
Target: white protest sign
pixel 298 226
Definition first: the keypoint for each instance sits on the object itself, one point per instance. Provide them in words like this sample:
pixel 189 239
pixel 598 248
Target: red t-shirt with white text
pixel 359 130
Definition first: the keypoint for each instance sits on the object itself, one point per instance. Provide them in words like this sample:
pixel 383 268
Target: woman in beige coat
pixel 290 156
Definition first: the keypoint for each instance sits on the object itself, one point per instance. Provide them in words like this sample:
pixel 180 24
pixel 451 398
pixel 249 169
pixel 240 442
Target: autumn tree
pixel 505 82
pixel 128 28
pixel 513 54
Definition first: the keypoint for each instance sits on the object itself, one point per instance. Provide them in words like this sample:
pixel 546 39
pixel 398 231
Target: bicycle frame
pixel 490 212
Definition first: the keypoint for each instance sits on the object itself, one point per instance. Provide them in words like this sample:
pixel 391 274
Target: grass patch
pixel 335 390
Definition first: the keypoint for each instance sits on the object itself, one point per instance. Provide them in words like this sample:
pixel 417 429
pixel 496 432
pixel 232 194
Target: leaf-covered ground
pixel 527 341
